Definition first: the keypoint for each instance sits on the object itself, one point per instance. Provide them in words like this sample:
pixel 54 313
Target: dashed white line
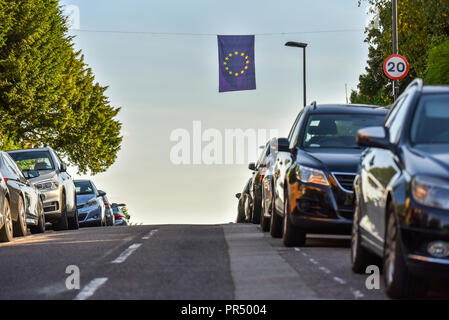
pixel 304 254
pixel 357 293
pixel 339 280
pixel 297 249
pixel 90 289
pixel 125 254
pixel 325 270
pixel 148 236
pixel 313 261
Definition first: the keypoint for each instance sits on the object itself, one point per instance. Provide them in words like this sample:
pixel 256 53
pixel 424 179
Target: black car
pixel 25 200
pixel 402 193
pixel 243 207
pixel 259 168
pixel 314 181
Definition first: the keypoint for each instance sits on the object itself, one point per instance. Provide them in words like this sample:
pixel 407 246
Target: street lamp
pixel 300 45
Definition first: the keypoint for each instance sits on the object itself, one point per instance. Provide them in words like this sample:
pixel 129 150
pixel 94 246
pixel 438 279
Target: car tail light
pixel 118 217
pixel 106 205
pixel 261 177
pixel 6 180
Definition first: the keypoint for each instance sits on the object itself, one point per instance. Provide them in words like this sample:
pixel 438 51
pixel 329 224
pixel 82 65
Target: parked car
pixel 6 222
pixel 110 218
pixel 54 182
pixel 91 208
pixel 314 181
pixel 120 218
pixel 402 193
pixel 25 200
pixel 243 208
pixel 255 190
pixel 276 146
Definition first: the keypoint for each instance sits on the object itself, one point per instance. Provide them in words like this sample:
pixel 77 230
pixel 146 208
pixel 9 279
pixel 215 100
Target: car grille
pixel 345 181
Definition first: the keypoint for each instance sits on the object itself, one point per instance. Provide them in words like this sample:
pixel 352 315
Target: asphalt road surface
pixel 178 262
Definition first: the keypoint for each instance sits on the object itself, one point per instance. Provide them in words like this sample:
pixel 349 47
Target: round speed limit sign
pixel 396 67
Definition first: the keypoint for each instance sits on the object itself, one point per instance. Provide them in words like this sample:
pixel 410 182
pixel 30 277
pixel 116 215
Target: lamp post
pixel 300 45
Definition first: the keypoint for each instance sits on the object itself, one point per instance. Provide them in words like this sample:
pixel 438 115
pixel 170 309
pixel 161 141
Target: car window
pixel 430 121
pixel 294 138
pixel 262 157
pixel 33 160
pixel 84 187
pixel 337 130
pixel 12 165
pixel 395 124
pixel 292 129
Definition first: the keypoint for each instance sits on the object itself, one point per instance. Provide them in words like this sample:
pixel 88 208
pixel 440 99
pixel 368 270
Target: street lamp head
pixel 296 44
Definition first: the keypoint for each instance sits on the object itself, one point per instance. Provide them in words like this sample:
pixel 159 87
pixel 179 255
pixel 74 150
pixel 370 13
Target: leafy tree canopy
pixel 48 95
pixel 422 25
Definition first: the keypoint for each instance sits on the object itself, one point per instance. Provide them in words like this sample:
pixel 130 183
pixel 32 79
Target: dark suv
pixel 402 193
pixel 314 182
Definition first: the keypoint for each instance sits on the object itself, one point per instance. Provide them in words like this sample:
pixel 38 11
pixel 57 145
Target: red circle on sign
pixel 386 71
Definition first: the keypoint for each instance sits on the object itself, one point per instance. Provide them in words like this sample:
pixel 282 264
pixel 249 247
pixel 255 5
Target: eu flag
pixel 236 63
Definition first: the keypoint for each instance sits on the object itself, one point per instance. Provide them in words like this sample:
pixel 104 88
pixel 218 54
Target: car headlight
pixel 431 192
pixel 91 202
pixel 311 175
pixel 47 185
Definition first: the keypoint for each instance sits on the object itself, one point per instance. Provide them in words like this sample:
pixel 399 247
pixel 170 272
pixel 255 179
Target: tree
pixel 48 95
pixel 438 65
pixel 422 24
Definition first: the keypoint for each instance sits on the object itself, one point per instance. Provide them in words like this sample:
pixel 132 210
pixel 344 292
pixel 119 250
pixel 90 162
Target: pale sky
pixel 164 82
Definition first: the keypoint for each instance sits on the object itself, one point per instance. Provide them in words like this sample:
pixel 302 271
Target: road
pixel 234 261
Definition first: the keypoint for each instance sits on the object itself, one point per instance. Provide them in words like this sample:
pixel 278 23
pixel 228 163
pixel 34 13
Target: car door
pixel 283 161
pixel 15 185
pixel 379 168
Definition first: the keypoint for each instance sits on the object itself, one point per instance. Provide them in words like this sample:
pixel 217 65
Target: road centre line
pixel 149 235
pixel 339 280
pixel 125 254
pixel 90 289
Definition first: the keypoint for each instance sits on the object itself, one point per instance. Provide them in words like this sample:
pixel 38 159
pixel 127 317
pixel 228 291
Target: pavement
pixel 178 262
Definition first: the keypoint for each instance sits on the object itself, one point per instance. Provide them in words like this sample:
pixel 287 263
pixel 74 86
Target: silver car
pixel 54 182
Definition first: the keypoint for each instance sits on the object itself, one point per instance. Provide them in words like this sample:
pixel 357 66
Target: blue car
pixel 90 204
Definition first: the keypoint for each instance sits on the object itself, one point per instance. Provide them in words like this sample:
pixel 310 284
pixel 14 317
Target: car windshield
pixel 33 160
pixel 83 187
pixel 430 123
pixel 337 130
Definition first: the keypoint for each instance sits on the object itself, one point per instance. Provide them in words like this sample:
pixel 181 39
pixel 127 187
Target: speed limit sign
pixel 396 67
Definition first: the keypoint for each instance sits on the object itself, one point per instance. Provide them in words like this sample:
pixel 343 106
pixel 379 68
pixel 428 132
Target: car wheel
pixel 40 227
pixel 264 221
pixel 360 256
pixel 255 217
pixel 293 236
pixel 63 223
pixel 399 282
pixel 20 226
pixel 275 222
pixel 6 233
pixel 74 223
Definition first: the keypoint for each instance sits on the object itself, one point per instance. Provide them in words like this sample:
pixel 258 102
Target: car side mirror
pixel 63 167
pixel 375 137
pixel 101 193
pixel 252 166
pixel 238 195
pixel 283 145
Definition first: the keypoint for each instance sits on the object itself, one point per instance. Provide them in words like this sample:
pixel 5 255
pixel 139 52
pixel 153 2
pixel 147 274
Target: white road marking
pixel 90 289
pixel 297 249
pixel 339 280
pixel 313 261
pixel 357 294
pixel 125 254
pixel 304 254
pixel 325 270
pixel 148 236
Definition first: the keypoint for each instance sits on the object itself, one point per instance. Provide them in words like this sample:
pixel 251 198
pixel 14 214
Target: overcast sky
pixel 165 82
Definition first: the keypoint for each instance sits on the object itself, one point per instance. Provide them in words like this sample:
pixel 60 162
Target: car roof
pixel 81 180
pixel 31 149
pixel 348 108
pixel 435 89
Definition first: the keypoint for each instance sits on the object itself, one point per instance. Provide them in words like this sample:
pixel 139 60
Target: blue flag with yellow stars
pixel 236 63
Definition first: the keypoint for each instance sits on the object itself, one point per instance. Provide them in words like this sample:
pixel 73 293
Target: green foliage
pixel 438 65
pixel 422 25
pixel 48 95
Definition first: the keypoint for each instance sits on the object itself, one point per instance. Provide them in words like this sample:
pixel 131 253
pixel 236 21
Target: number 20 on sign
pixel 396 67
